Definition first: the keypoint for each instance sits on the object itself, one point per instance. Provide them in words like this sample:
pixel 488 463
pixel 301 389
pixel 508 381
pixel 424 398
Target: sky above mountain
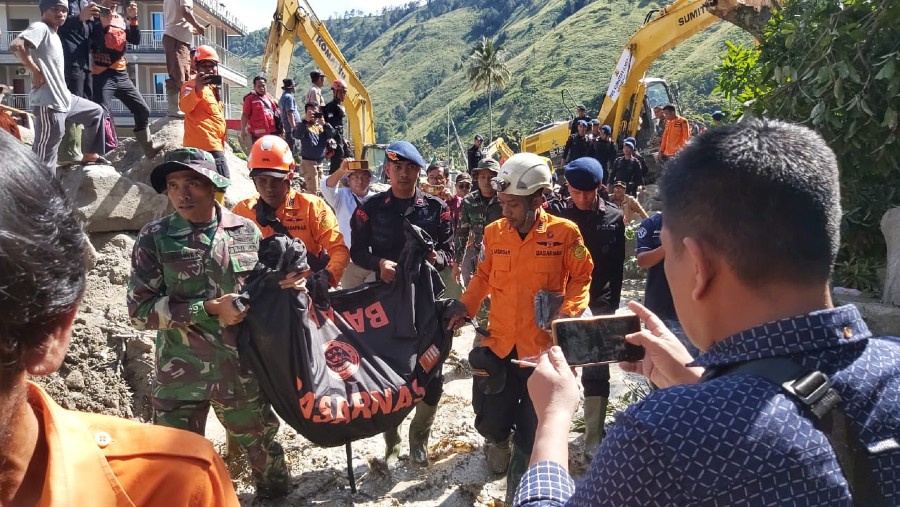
pixel 258 13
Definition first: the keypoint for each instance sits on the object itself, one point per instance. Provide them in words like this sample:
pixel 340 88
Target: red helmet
pixel 338 84
pixel 206 53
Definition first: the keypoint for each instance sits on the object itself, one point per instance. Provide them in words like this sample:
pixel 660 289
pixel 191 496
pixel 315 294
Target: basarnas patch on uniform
pixel 579 251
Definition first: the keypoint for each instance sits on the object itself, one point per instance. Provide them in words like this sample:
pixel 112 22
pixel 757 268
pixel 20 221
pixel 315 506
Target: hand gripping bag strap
pixel 821 403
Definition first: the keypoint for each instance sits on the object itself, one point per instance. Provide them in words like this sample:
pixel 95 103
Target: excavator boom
pixel 621 107
pixel 295 19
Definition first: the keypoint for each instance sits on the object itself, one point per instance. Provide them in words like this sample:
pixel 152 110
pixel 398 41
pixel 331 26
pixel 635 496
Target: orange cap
pixel 271 156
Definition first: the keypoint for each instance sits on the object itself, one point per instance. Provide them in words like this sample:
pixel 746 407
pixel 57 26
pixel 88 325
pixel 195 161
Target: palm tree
pixel 487 70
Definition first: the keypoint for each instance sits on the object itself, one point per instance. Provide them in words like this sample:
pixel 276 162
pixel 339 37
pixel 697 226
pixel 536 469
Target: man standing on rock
pixel 204 114
pixel 525 252
pixel 186 271
pixel 108 39
pixel 40 50
pixel 181 25
pixel 53 456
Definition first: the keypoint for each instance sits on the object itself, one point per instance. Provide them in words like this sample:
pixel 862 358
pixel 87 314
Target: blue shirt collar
pixel 814 331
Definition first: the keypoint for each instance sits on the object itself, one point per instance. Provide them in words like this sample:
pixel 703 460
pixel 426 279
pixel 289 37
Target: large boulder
pixel 890 227
pixel 129 159
pixel 109 201
pixel 882 319
pixel 649 199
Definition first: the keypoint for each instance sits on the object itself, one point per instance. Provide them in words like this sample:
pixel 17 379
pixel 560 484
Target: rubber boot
pixel 497 456
pixel 518 465
pixel 70 148
pixel 419 431
pixel 594 420
pixel 172 108
pixel 143 138
pixel 392 447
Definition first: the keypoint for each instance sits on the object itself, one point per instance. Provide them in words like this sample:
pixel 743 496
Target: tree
pixel 833 66
pixel 487 71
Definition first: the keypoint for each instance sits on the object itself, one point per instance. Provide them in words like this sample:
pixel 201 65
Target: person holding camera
pixel 204 115
pixel 313 133
pixel 187 270
pixel 109 36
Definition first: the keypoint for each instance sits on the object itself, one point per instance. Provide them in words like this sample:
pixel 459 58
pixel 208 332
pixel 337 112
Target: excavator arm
pixel 295 19
pixel 621 107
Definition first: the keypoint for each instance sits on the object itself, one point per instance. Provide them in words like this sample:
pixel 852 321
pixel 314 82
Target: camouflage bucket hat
pixel 181 159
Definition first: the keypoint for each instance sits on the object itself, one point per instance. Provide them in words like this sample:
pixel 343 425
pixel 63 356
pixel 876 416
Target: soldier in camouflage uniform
pixel 479 208
pixel 186 270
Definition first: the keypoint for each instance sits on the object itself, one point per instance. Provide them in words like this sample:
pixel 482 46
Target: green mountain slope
pixel 412 61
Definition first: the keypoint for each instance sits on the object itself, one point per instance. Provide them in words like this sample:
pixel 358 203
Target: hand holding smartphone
pixel 105 11
pixel 597 340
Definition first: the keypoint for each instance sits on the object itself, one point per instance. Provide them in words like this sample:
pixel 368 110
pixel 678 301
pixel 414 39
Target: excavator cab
pixel 374 154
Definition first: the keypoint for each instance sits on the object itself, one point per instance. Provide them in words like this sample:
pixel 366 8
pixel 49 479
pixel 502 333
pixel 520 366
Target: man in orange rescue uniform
pixel 278 208
pixel 674 136
pixel 526 251
pixel 204 115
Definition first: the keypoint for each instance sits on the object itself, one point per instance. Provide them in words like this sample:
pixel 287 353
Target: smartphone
pixel 318 115
pixel 354 165
pixel 597 340
pixel 215 79
pixel 104 11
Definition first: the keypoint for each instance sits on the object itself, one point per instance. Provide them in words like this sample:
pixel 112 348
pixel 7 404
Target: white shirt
pixel 176 26
pixel 344 202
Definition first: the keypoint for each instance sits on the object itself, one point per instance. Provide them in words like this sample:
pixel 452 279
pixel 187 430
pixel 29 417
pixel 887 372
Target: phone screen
pixel 215 79
pixel 105 12
pixel 597 340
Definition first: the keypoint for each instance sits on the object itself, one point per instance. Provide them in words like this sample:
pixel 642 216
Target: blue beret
pixel 584 173
pixel 607 129
pixel 718 115
pixel 402 150
pixel 632 140
pixel 595 121
pixel 583 122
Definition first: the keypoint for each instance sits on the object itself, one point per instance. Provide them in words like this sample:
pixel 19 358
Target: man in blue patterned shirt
pixel 749 278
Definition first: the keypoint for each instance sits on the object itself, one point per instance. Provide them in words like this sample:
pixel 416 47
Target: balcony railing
pixel 229 59
pixel 151 41
pixel 217 8
pixel 17 101
pixel 6 38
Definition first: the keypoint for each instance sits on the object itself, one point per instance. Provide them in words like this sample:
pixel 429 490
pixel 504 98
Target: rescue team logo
pixel 362 215
pixel 579 251
pixel 549 244
pixel 342 359
pixel 641 233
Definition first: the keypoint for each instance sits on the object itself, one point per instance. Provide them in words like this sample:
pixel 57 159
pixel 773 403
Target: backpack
pixel 349 365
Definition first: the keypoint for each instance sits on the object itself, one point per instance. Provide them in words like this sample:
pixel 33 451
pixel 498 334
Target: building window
pixel 159 83
pixel 158 24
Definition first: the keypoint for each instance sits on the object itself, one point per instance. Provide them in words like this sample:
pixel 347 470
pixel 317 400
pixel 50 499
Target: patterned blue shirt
pixel 737 439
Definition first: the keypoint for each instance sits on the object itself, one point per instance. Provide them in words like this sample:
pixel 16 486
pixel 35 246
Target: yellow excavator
pixel 631 96
pixel 294 20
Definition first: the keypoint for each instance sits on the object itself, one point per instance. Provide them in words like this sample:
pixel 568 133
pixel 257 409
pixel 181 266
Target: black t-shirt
pixel 657 296
pixel 334 115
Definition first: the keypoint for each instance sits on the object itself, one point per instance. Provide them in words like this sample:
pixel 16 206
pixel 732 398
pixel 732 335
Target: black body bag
pixel 353 364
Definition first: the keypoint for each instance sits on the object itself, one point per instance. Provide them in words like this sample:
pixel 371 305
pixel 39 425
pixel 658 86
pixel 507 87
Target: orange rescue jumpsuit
pixel 204 117
pixel 102 460
pixel 552 257
pixel 309 219
pixel 675 136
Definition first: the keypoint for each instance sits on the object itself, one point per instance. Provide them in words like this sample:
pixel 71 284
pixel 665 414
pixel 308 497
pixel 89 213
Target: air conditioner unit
pixel 21 71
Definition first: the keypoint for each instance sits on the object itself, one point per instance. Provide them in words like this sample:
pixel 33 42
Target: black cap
pixel 287 83
pixel 488 370
pixel 316 74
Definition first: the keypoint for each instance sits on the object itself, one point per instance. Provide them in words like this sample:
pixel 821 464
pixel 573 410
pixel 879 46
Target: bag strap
pixel 821 403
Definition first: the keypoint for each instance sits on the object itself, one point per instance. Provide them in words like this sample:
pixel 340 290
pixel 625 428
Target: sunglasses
pixel 464 185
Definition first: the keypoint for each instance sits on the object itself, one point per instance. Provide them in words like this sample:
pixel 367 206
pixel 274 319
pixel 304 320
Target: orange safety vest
pixel 552 257
pixel 675 136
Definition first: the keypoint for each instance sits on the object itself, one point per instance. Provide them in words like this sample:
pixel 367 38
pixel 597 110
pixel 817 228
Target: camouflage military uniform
pixel 175 268
pixel 475 213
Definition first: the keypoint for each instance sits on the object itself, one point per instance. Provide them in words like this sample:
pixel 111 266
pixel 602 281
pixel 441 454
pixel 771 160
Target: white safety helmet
pixel 522 174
